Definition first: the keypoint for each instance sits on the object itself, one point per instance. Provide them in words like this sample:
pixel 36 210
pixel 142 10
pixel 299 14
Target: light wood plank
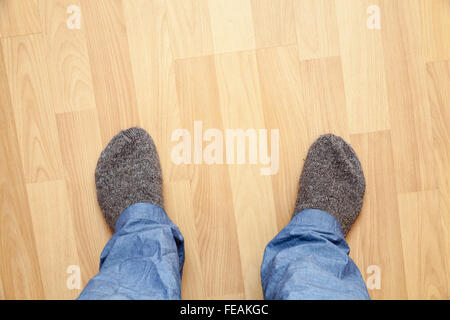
pixel 19 267
pixel 375 239
pixel 278 70
pixel 435 15
pixel 2 293
pixel 274 22
pixel 423 248
pixel 67 58
pixel 152 62
pixel 33 107
pixel 253 202
pixel 19 17
pixel 363 68
pixel 51 218
pixel 109 58
pixel 229 297
pixel 232 25
pixel 181 210
pixel 322 97
pixel 154 78
pixel 211 190
pixel 190 28
pixel 444 207
pixel 81 146
pixel 407 95
pixel 438 76
pixel 316 28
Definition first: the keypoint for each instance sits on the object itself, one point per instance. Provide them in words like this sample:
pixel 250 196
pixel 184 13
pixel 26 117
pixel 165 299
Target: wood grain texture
pixel 2 293
pixel 198 98
pixel 67 58
pixel 279 81
pixel 274 22
pixel 190 27
pixel 323 97
pixel 422 235
pixel 154 77
pixel 109 58
pixel 361 51
pixel 438 78
pixel 33 107
pixel 81 144
pixel 316 28
pixel 20 272
pixel 229 24
pixel 303 67
pixel 435 15
pixel 379 217
pixel 51 219
pixel 239 89
pixel 19 17
pixel 180 209
pixel 407 95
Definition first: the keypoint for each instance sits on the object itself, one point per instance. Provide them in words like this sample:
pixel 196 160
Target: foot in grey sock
pixel 128 172
pixel 332 180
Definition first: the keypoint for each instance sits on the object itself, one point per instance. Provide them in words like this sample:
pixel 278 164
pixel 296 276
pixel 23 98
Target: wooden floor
pixel 304 67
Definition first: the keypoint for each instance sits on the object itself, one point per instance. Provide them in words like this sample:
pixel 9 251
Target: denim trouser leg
pixel 309 259
pixel 143 260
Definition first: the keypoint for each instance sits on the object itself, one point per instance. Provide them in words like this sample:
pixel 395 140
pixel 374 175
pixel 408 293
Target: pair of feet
pixel 128 171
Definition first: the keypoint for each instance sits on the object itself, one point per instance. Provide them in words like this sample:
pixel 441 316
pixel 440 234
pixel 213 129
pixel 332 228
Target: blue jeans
pixel 144 259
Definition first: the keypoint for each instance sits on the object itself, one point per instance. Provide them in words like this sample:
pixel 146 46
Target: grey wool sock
pixel 332 180
pixel 128 172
